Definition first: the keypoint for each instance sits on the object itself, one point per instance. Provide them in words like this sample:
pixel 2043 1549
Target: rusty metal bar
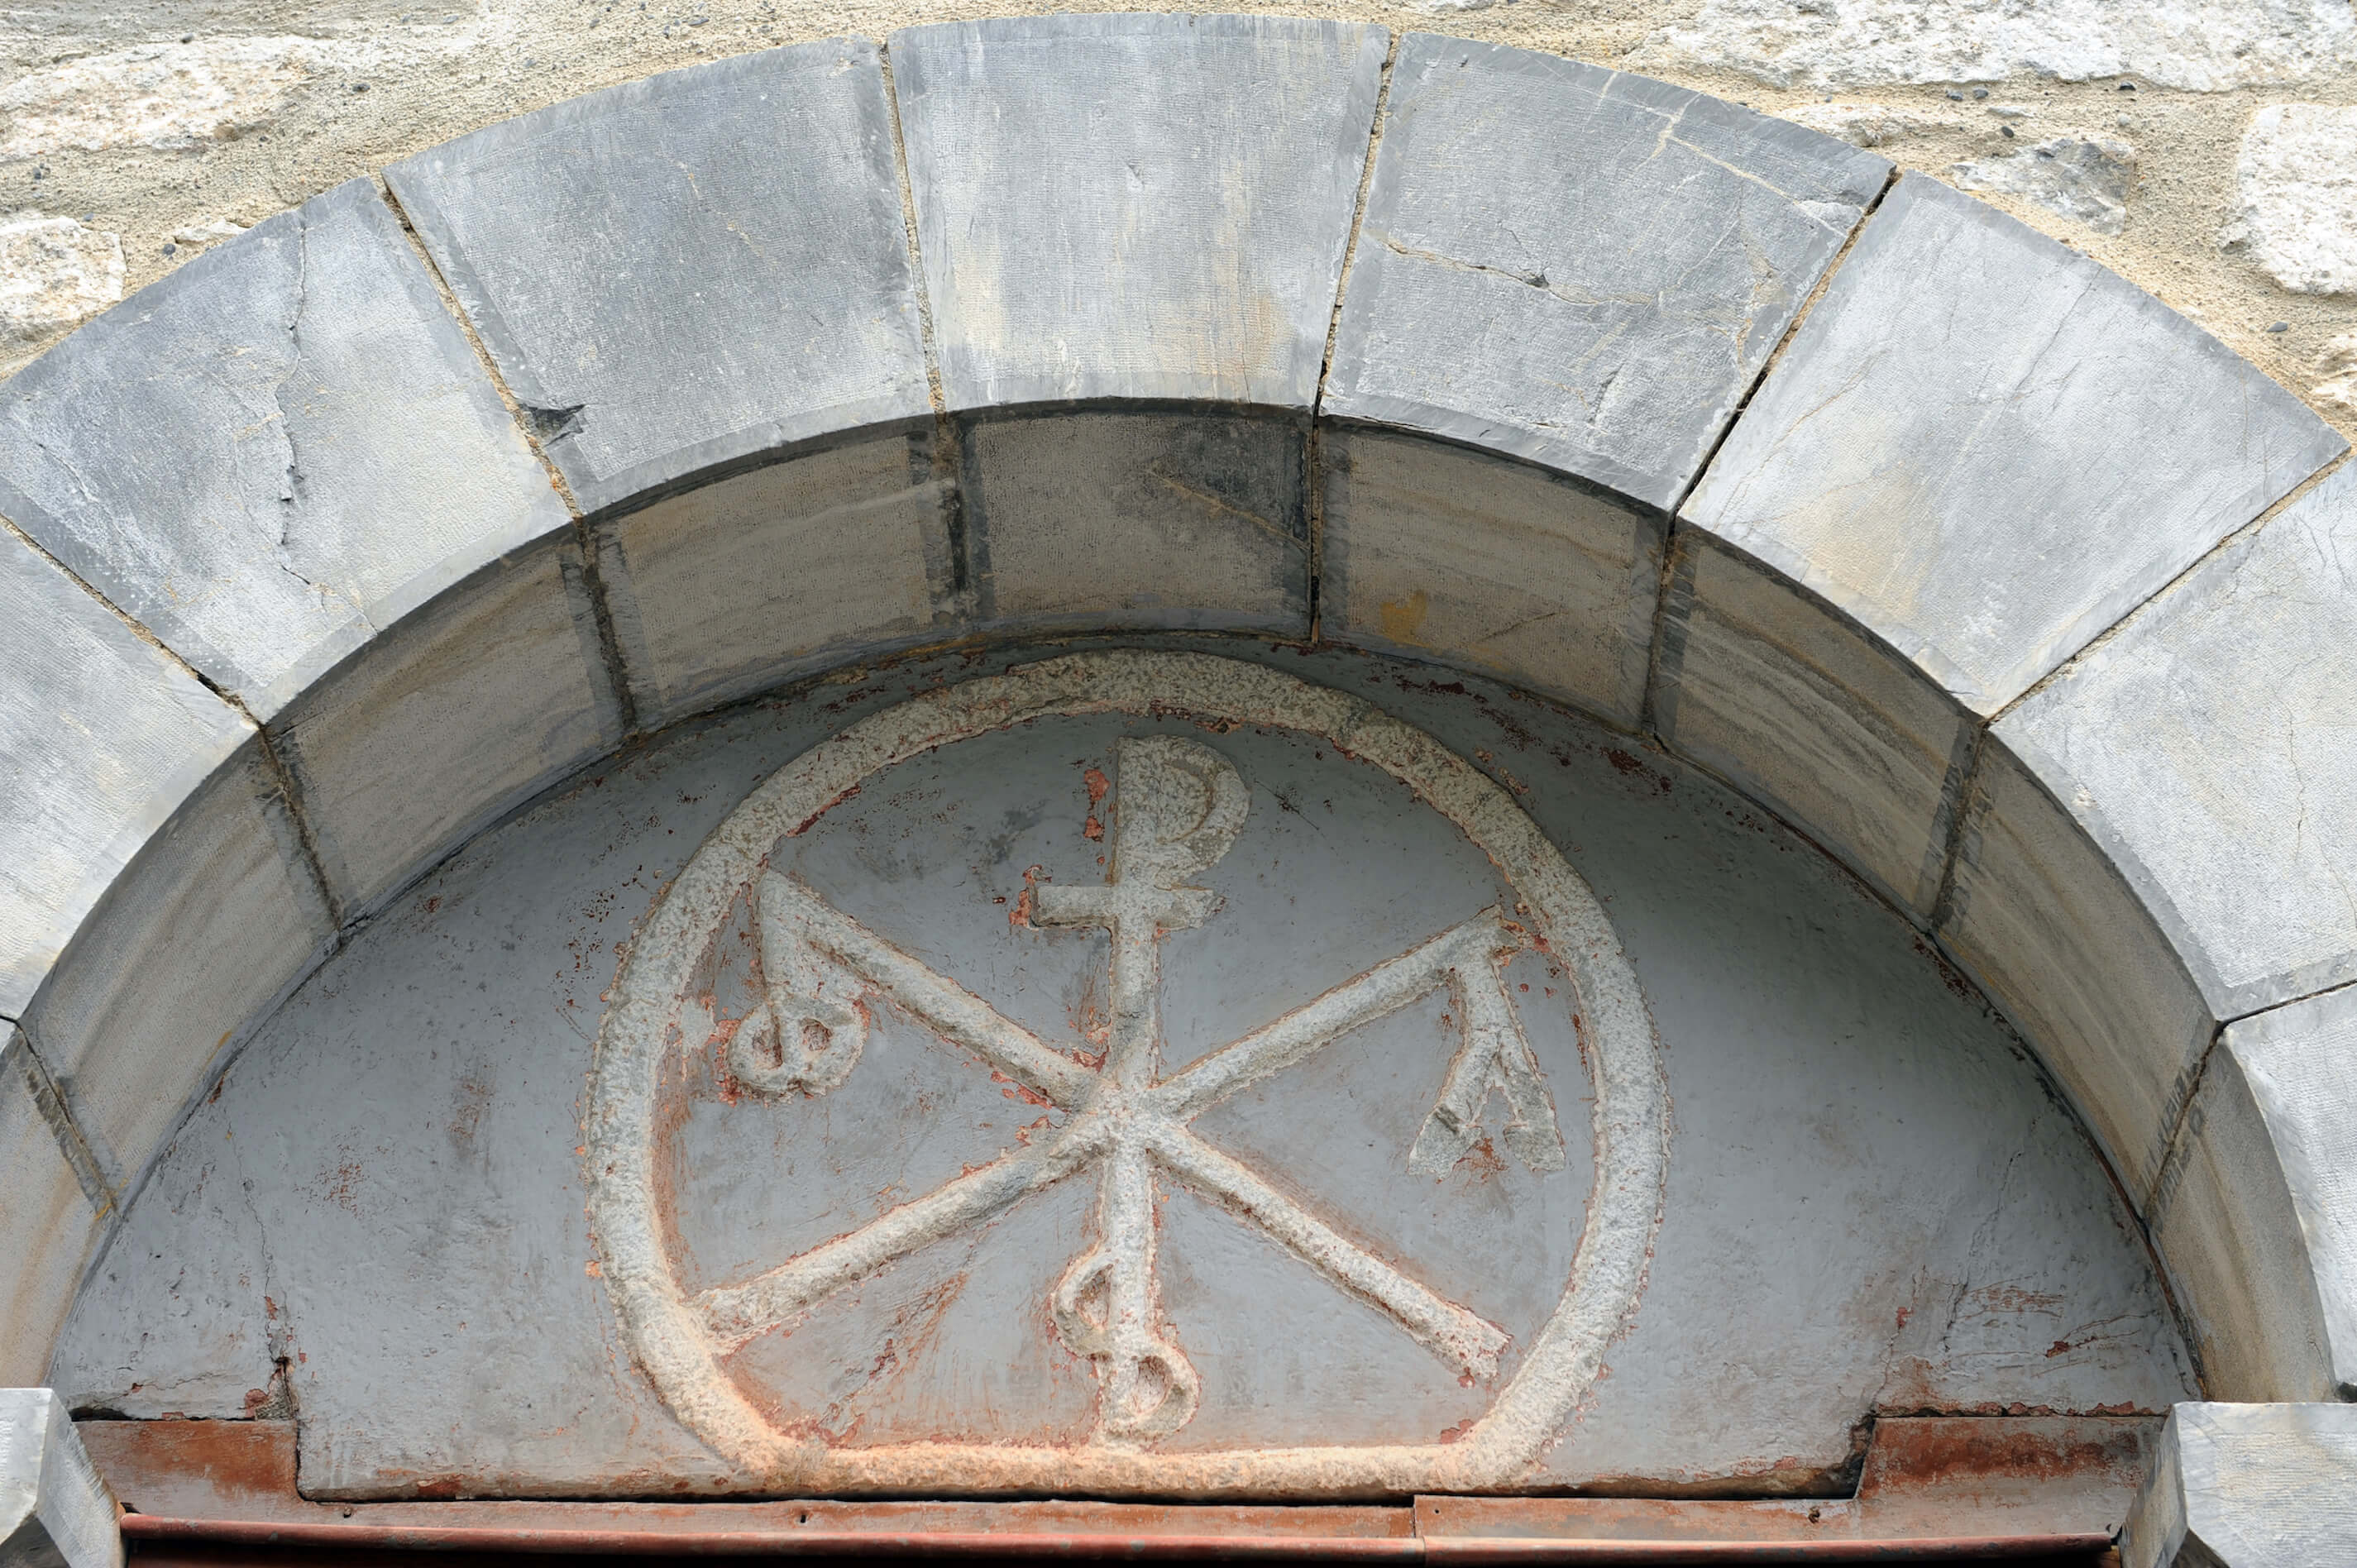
pixel 1468 1551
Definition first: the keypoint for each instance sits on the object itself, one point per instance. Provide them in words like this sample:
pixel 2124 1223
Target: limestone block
pixel 1987 448
pixel 218 914
pixel 2086 176
pixel 275 451
pixel 2212 47
pixel 102 735
pixel 1139 519
pixel 1439 552
pixel 55 1507
pixel 463 711
pixel 2248 1485
pixel 1618 256
pixel 679 272
pixel 2228 1224
pixel 2295 197
pixel 1766 686
pixel 164 96
pixel 47 1223
pixel 53 272
pixel 2040 913
pixel 732 588
pixel 2268 1193
pixel 1134 205
pixel 2213 735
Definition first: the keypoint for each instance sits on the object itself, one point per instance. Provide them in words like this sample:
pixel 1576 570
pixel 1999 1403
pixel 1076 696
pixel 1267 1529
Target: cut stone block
pixel 47 1223
pixel 1764 684
pixel 2043 920
pixel 2225 1219
pixel 102 735
pixel 1139 519
pixel 1988 449
pixel 275 451
pixel 1439 552
pixel 2259 1207
pixel 1139 207
pixel 463 712
pixel 216 918
pixel 2248 1485
pixel 2214 733
pixel 733 588
pixel 55 1508
pixel 1580 266
pixel 679 272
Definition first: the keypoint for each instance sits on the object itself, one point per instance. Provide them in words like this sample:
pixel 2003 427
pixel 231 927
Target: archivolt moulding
pixel 361 530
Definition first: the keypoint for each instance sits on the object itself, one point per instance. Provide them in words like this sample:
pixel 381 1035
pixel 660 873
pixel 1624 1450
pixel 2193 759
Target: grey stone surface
pixel 465 710
pixel 2249 1486
pixel 2226 1220
pixel 1134 206
pixel 1138 519
pixel 192 942
pixel 1579 266
pixel 47 1225
pixel 1766 686
pixel 2039 915
pixel 102 735
pixel 730 589
pixel 2212 745
pixel 275 451
pixel 2300 1063
pixel 55 1508
pixel 678 272
pixel 1438 552
pixel 1873 1202
pixel 1988 449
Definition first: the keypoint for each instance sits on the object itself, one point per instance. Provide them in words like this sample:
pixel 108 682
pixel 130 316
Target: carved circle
pixel 641 1028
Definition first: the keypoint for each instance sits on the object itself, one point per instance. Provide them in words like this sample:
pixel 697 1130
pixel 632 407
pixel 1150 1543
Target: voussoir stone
pixel 275 451
pixel 1579 266
pixel 2257 1209
pixel 682 271
pixel 47 1226
pixel 102 736
pixel 1987 448
pixel 1134 206
pixel 2209 743
pixel 56 1510
pixel 2248 1485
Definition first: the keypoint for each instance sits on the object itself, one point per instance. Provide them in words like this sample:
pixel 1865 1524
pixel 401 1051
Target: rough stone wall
pixel 2206 149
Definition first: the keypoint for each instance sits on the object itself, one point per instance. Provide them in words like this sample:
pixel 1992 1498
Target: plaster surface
pixel 1874 1201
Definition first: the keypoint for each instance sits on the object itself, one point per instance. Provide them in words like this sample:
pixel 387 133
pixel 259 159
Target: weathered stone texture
pixel 687 270
pixel 457 715
pixel 2086 176
pixel 2248 1486
pixel 53 272
pixel 55 1509
pixel 187 950
pixel 1579 266
pixel 1768 688
pixel 2212 738
pixel 283 447
pixel 1143 207
pixel 2211 46
pixel 2040 917
pixel 1139 519
pixel 2295 197
pixel 1988 449
pixel 1434 551
pixel 164 96
pixel 45 1226
pixel 734 587
pixel 101 737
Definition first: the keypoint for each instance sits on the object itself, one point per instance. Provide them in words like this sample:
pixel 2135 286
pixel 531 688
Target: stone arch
pixel 2018 593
